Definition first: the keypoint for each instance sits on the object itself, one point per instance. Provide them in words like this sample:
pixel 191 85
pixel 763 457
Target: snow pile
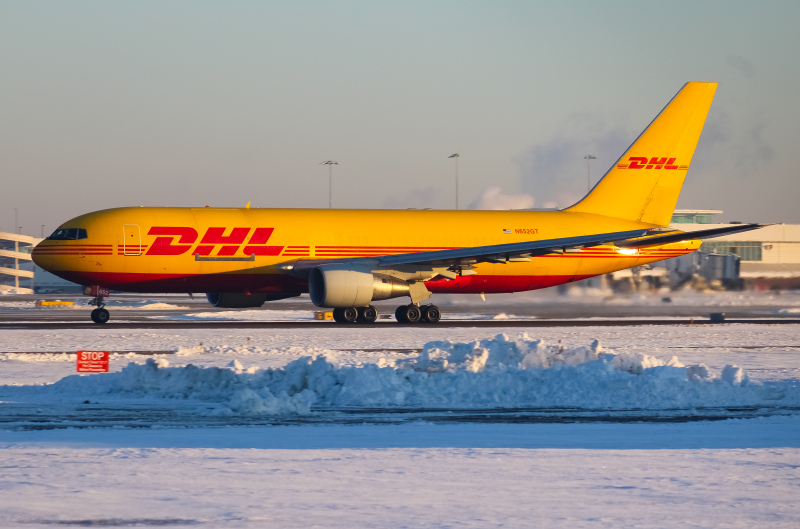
pixel 6 290
pixel 247 350
pixel 501 372
pixel 151 306
pixel 231 387
pixel 38 357
pixel 15 304
pixel 58 357
pixel 245 315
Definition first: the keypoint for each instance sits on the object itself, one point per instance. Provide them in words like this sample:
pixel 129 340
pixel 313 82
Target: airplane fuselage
pixel 251 250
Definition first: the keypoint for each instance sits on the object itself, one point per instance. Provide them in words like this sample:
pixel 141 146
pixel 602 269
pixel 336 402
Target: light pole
pixel 589 159
pixel 330 164
pixel 456 156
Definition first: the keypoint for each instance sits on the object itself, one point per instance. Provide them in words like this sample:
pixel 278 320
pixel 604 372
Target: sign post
pixel 92 361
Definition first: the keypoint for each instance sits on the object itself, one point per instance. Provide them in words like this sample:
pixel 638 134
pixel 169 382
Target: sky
pixel 194 103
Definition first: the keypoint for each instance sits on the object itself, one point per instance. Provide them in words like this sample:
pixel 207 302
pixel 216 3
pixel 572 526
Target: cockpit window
pixel 68 234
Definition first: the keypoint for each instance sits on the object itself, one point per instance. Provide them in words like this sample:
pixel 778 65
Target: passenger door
pixel 131 239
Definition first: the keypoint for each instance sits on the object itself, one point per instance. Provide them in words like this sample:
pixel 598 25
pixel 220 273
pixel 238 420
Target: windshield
pixel 68 234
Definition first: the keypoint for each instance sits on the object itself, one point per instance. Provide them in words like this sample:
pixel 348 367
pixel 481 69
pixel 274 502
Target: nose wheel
pixel 100 315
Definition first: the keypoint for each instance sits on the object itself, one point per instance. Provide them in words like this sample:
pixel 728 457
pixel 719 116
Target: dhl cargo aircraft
pixel 345 259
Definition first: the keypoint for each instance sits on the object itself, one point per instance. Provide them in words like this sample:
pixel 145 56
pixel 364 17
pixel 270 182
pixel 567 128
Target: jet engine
pixel 341 286
pixel 238 300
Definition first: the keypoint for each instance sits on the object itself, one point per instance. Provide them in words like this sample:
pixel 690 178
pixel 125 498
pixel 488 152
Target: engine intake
pixel 341 286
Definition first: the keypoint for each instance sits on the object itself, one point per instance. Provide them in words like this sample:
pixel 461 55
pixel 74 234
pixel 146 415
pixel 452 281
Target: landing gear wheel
pixel 408 314
pixel 338 316
pixel 413 314
pixel 100 315
pixel 350 314
pixel 367 314
pixel 431 314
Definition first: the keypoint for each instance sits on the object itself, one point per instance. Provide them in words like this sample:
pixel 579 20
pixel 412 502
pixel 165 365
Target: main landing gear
pixel 415 314
pixel 356 315
pixel 404 314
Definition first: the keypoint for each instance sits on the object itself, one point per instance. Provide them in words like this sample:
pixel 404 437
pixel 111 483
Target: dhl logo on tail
pixel 642 162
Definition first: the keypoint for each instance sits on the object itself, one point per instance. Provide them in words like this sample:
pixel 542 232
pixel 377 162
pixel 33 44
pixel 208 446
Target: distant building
pixel 693 216
pixel 16 266
pixel 769 257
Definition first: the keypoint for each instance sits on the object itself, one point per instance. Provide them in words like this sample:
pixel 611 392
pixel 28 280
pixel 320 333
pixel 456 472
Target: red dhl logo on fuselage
pixel 166 243
pixel 642 162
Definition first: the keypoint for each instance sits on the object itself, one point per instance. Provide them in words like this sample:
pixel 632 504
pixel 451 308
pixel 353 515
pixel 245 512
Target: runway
pixel 130 311
pixel 145 323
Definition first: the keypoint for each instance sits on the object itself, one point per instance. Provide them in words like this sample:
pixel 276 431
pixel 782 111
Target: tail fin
pixel 645 182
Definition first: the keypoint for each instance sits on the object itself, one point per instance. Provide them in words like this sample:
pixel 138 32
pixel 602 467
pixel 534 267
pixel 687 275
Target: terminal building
pixel 768 257
pixel 16 266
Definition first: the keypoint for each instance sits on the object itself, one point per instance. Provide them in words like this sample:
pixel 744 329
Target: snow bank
pixel 151 306
pixel 245 315
pixel 500 372
pixel 235 390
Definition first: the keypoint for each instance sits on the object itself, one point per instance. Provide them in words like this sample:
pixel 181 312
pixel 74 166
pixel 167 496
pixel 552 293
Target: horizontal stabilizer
pixel 688 235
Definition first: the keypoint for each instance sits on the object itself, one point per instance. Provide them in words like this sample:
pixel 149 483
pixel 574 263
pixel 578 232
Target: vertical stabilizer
pixel 645 182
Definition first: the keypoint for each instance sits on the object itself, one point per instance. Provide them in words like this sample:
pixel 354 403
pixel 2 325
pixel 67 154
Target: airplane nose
pixel 39 256
pixel 36 255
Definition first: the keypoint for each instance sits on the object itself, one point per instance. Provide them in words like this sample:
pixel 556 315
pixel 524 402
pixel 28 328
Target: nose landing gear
pixel 100 314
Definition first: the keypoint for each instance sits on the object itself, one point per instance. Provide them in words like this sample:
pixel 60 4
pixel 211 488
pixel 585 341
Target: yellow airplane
pixel 346 259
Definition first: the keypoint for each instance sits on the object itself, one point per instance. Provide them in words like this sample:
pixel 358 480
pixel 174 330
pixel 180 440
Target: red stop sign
pixel 92 361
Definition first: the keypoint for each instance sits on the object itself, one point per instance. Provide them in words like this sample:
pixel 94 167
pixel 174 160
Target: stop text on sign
pixel 92 361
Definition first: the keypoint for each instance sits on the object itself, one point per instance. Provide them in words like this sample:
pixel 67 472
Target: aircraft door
pixel 131 239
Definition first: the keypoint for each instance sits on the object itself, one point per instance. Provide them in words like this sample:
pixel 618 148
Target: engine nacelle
pixel 341 286
pixel 238 300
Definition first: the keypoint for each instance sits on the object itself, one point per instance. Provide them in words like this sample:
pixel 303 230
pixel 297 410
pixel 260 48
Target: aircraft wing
pixel 498 253
pixel 522 251
pixel 688 235
pixel 504 252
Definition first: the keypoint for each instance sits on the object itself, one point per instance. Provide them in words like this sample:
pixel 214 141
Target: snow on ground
pixel 765 352
pixel 729 474
pixel 80 304
pixel 499 372
pixel 742 472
